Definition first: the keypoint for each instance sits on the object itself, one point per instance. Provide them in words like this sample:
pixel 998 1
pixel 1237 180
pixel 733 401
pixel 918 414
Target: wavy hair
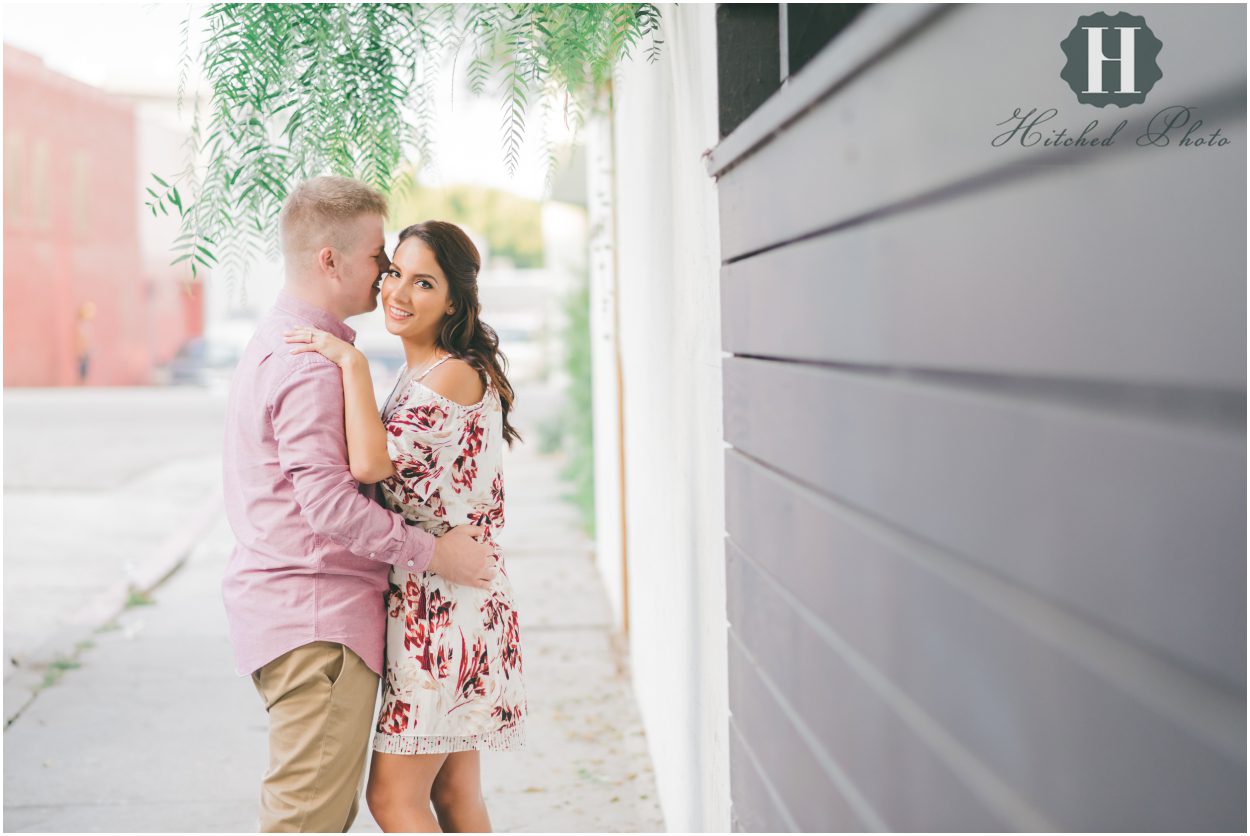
pixel 464 334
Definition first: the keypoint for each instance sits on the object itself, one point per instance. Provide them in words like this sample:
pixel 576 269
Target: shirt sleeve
pixel 307 415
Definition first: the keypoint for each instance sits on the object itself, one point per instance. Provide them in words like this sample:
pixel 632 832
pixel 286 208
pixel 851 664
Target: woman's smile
pixel 397 314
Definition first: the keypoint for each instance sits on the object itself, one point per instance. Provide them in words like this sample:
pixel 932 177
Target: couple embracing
pixel 329 591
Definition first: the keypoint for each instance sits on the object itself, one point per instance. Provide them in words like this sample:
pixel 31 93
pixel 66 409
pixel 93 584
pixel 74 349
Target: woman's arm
pixel 367 455
pixel 366 436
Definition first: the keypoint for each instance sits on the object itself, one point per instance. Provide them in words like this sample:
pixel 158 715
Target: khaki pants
pixel 320 700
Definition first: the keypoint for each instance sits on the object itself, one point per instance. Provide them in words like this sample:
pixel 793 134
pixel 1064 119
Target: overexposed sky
pixel 134 48
pixel 127 47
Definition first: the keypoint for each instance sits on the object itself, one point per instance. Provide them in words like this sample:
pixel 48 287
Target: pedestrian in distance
pixel 82 340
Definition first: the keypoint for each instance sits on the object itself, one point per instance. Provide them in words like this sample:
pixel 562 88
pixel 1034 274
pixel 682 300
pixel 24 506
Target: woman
pixel 453 681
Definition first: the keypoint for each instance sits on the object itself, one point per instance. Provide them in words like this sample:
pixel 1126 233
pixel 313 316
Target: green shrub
pixel 577 420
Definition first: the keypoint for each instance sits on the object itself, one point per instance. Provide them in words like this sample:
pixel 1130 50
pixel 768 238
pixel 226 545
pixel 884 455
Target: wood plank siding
pixel 985 416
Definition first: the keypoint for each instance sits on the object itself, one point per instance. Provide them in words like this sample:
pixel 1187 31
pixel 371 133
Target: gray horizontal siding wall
pixel 985 491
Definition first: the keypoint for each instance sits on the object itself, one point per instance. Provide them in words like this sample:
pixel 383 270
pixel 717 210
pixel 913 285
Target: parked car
pixel 521 342
pixel 202 363
pixel 384 366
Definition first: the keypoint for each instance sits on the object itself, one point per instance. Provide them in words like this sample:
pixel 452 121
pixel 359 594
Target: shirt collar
pixel 288 303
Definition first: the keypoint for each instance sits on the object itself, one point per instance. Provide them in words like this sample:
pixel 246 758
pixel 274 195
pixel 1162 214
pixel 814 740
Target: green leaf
pixel 297 90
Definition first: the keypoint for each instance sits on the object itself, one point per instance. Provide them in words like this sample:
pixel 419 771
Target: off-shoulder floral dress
pixel 453 654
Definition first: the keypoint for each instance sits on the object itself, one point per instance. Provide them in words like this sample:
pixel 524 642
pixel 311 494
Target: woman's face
pixel 415 296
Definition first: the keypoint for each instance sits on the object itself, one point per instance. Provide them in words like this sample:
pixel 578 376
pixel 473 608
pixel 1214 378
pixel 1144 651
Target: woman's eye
pixel 424 284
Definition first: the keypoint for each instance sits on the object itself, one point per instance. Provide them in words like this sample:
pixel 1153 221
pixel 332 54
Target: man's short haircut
pixel 319 211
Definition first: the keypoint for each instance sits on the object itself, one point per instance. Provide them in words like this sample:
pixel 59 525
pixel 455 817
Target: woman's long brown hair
pixel 464 334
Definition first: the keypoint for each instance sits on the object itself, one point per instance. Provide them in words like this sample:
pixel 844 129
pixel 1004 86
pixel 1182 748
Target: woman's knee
pixel 451 794
pixel 377 796
pixel 391 788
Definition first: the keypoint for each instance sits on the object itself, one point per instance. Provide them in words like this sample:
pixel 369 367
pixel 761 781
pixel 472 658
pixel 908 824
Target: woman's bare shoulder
pixel 457 381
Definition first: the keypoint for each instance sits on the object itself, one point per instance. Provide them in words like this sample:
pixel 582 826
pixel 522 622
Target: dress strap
pixel 433 367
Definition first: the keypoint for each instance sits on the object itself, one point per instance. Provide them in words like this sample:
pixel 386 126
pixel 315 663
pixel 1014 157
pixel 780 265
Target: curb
pixel 23 684
pixel 167 558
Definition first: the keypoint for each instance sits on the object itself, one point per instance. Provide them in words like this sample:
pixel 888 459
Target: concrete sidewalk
pixel 106 491
pixel 154 732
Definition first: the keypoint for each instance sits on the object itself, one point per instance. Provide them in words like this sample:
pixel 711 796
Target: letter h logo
pixel 1133 60
pixel 1097 59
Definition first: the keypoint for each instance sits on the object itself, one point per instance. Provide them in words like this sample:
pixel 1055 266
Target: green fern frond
pixel 295 90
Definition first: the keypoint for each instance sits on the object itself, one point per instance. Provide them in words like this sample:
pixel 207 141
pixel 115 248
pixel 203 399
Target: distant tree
pixel 298 90
pixel 511 225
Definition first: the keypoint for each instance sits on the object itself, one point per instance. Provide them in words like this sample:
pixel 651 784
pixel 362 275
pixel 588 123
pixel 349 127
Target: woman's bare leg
pixel 399 792
pixel 457 794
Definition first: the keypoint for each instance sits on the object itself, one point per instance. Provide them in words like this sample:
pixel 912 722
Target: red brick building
pixel 71 239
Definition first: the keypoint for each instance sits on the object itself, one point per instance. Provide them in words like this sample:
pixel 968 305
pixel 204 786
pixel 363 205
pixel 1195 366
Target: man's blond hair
pixel 318 213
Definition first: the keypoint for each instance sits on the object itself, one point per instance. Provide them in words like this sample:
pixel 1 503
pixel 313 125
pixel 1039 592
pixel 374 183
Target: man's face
pixel 362 261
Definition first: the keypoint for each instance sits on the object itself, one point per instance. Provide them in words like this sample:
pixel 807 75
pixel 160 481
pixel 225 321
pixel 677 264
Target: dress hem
pixel 501 740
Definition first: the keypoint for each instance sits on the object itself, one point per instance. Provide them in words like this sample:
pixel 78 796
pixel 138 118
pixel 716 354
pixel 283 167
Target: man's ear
pixel 327 260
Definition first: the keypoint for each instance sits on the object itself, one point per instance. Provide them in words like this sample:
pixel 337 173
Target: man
pixel 82 340
pixel 305 584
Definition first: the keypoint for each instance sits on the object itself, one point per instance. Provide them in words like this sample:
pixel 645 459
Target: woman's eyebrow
pixel 395 267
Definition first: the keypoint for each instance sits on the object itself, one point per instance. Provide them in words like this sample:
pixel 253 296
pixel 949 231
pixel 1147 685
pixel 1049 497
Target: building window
pixel 12 176
pixel 748 59
pixel 759 46
pixel 41 188
pixel 810 26
pixel 79 194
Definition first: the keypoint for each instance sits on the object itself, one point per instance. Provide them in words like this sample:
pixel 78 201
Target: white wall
pixel 605 363
pixel 666 288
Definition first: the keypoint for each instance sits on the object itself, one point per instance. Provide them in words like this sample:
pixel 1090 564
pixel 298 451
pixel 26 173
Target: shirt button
pixel 371 555
pixel 410 563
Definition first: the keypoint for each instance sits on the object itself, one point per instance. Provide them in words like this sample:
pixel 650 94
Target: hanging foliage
pixel 298 90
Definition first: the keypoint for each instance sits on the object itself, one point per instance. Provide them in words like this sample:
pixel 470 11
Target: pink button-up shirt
pixel 312 553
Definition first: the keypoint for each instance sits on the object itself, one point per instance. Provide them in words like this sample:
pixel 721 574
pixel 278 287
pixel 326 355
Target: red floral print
pixel 508 714
pixel 393 718
pixel 453 652
pixel 473 667
pixel 510 650
pixel 463 472
pixel 471 437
